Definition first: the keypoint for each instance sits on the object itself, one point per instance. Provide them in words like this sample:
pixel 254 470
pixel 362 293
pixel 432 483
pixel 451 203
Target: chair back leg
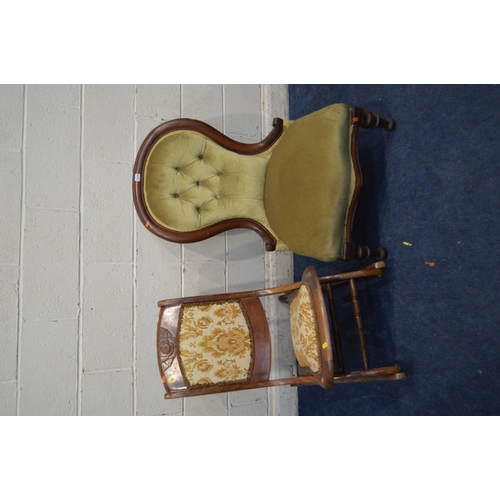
pixel 335 328
pixel 367 374
pixel 359 323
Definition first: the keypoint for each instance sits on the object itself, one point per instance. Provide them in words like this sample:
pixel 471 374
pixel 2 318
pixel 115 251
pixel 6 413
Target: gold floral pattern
pixel 215 344
pixel 304 327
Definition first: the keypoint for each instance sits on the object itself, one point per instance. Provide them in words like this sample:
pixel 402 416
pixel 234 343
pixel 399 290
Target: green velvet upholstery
pixel 300 189
pixel 191 182
pixel 310 182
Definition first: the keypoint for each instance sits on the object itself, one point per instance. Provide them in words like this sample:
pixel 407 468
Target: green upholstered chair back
pixel 191 182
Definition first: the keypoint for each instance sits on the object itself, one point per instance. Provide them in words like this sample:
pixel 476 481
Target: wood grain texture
pixel 321 288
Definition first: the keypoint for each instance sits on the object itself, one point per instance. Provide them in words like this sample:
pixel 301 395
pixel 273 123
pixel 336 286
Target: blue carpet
pixel 433 182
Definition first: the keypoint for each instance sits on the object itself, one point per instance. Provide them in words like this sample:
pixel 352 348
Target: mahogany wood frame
pixel 260 376
pixel 363 119
pixel 224 141
pixel 350 251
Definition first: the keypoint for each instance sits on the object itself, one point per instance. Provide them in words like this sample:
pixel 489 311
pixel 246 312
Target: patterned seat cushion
pixel 215 344
pixel 304 327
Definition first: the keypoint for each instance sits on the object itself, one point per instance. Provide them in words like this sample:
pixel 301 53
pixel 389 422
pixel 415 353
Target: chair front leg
pixel 372 120
pixel 352 251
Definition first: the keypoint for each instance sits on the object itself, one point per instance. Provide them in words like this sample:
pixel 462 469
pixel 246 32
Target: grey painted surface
pixel 80 275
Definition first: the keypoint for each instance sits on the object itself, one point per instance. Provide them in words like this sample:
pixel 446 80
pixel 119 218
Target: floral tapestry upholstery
pixel 215 344
pixel 304 327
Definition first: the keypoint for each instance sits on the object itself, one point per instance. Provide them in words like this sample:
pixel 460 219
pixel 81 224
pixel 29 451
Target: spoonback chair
pixel 221 343
pixel 298 188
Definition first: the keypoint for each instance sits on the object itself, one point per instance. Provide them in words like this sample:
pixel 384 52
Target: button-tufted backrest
pixel 191 182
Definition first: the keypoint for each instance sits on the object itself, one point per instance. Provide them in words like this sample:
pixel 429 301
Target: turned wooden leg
pixel 335 328
pixel 363 252
pixel 359 323
pixel 352 251
pixel 372 120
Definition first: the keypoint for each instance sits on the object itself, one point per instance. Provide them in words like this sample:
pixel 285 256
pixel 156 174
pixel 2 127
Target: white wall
pixel 80 276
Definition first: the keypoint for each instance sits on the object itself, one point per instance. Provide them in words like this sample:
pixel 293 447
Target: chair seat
pixel 308 190
pixel 304 329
